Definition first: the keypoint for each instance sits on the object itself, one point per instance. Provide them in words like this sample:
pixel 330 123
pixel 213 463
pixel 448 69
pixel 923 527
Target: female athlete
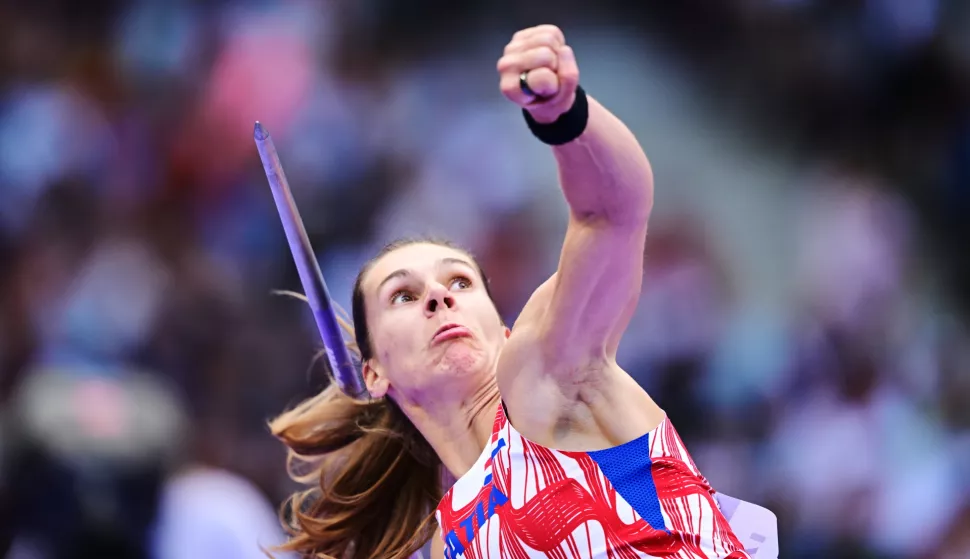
pixel 521 442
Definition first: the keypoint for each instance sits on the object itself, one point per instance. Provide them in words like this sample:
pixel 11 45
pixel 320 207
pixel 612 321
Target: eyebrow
pixel 403 273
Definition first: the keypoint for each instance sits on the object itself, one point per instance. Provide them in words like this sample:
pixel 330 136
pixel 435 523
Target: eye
pixel 402 296
pixel 461 282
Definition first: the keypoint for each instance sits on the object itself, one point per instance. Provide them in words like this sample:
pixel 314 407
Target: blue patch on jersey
pixel 628 468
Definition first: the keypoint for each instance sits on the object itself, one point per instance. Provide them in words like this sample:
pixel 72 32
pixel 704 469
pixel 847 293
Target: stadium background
pixel 804 313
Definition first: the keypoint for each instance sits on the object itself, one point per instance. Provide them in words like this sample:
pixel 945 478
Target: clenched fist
pixel 540 57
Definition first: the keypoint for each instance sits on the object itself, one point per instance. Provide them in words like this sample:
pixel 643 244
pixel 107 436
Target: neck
pixel 456 430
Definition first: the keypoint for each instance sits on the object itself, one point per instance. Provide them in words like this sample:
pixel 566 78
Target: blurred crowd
pixel 804 313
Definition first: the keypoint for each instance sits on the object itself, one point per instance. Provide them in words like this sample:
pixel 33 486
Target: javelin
pixel 349 379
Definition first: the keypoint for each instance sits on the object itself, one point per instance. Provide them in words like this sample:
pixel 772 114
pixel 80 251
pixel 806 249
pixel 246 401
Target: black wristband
pixel 569 126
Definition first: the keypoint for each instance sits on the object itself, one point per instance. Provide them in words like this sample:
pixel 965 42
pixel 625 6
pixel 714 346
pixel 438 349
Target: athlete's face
pixel 433 328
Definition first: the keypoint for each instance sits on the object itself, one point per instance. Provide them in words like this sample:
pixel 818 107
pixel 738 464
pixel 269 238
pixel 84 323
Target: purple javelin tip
pixel 342 364
pixel 259 132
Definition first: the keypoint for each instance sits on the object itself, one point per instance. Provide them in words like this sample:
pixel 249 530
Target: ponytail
pixel 373 481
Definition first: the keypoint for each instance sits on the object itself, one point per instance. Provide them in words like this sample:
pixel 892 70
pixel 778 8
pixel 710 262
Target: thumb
pixel 544 82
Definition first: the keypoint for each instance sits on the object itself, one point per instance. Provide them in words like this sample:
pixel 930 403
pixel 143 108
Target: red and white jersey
pixel 644 498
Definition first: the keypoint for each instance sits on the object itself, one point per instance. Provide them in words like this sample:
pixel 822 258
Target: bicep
pixel 567 334
pixel 592 297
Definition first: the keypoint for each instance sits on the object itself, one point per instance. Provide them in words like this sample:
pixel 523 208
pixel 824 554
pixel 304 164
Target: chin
pixel 460 360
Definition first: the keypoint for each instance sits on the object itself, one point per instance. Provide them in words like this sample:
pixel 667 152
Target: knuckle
pixel 508 84
pixel 554 32
pixel 545 56
pixel 546 38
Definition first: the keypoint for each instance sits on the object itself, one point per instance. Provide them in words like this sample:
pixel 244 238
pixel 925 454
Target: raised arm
pixel 608 184
pixel 581 312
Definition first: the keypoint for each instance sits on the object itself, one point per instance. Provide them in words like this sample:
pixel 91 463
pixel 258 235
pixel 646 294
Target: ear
pixel 376 382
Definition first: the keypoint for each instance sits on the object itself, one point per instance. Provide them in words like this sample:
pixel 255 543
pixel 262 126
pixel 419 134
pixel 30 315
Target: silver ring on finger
pixel 524 85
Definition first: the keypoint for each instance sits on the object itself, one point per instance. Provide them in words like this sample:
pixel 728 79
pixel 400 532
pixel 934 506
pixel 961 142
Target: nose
pixel 438 298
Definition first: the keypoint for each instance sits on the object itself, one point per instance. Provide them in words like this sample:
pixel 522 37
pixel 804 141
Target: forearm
pixel 604 174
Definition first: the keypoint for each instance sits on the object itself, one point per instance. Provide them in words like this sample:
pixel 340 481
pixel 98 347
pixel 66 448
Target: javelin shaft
pixel 315 288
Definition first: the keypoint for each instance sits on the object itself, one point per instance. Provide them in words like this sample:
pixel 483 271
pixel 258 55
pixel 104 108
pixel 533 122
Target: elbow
pixel 634 205
pixel 638 204
pixel 605 174
pixel 629 211
pixel 636 210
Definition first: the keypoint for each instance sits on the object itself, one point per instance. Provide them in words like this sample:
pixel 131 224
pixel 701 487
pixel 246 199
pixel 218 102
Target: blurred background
pixel 807 291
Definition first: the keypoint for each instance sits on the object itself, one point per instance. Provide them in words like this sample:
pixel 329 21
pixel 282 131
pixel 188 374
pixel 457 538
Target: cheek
pixel 488 319
pixel 394 338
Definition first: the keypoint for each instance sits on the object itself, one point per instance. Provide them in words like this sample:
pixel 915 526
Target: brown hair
pixel 374 480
